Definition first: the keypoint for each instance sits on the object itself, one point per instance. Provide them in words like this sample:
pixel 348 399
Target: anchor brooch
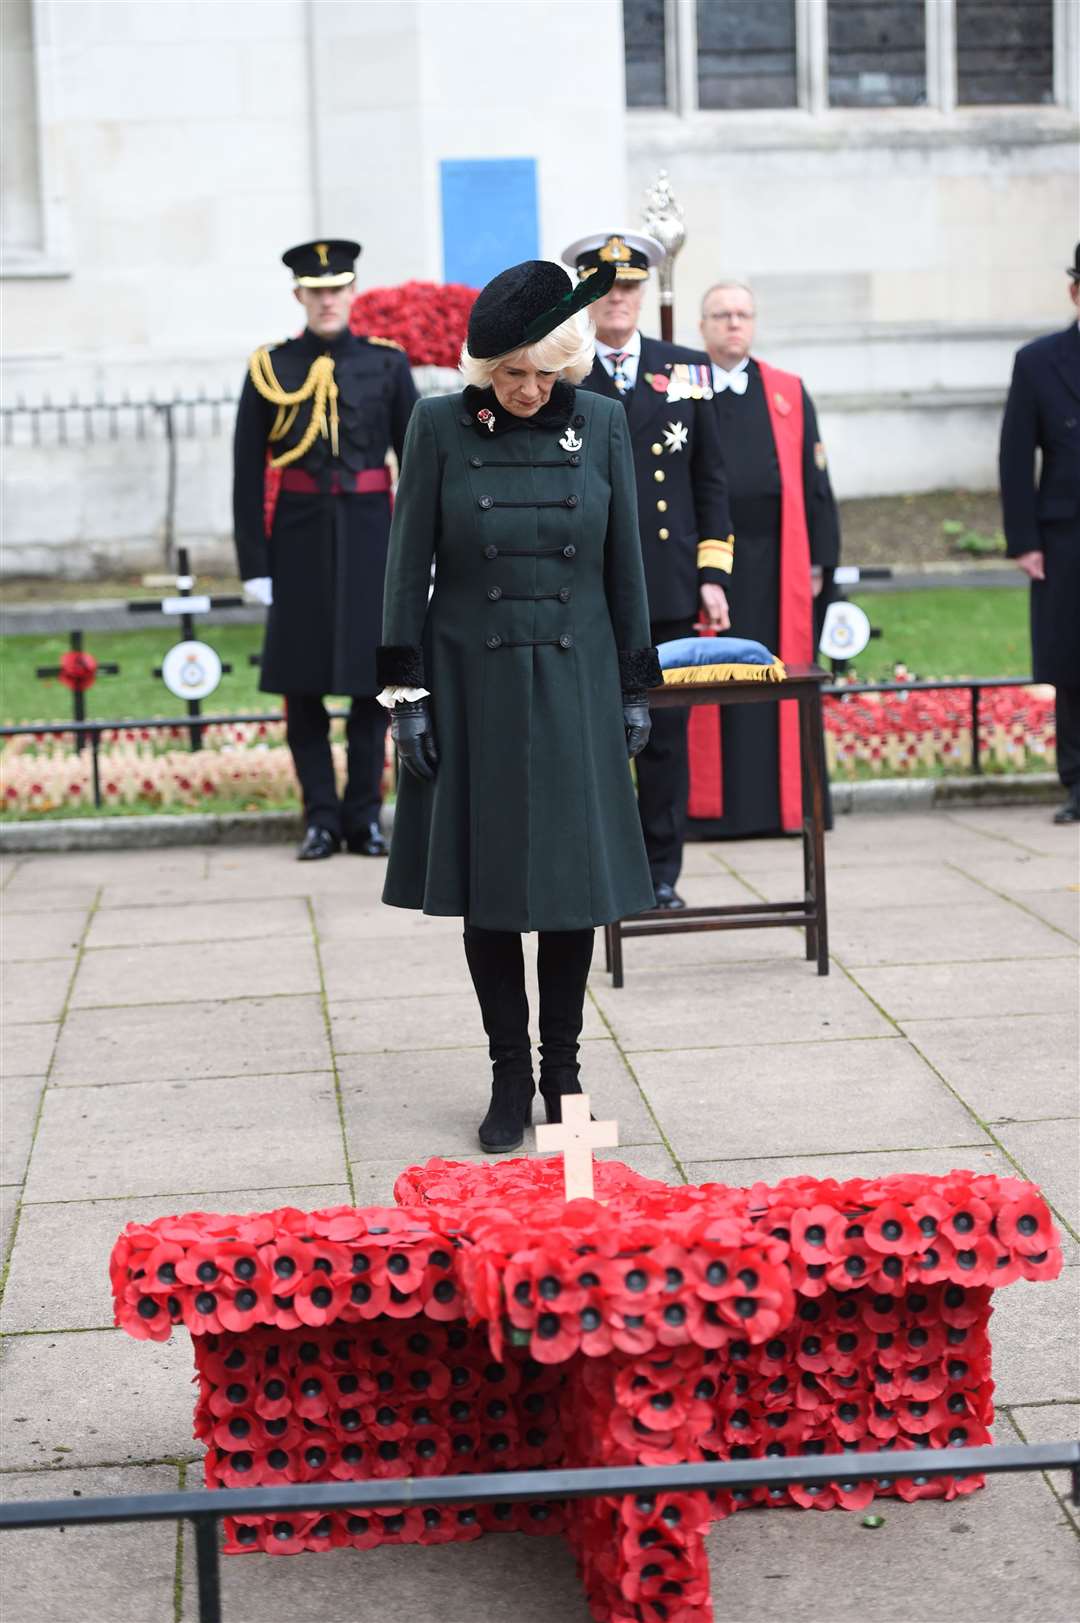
pixel 570 441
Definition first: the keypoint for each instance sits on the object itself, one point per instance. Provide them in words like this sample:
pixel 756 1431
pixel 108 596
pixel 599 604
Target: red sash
pixel 783 395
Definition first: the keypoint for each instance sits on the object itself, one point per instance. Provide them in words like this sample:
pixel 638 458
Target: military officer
pixel 322 408
pixel 683 511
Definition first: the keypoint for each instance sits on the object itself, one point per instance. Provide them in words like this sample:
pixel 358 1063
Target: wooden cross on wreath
pixel 576 1136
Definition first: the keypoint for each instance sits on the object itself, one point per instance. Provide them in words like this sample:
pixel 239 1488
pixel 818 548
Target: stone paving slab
pixel 34 991
pixel 961 932
pixel 171 1041
pixel 57 1282
pixel 1060 911
pixel 189 1135
pixel 1006 1066
pixel 421 1104
pixel 94 1397
pixel 10 1196
pixel 1049 1152
pixel 1021 873
pixel 90 1574
pixel 1034 1337
pixel 182 973
pixel 446 1020
pixel 1051 1423
pixel 44 935
pixel 981 1158
pixel 735 1102
pixel 275 918
pixel 672 1009
pixel 211 1076
pixel 22 1095
pixel 934 991
pixel 26 1050
pixel 499 1578
pixel 1006 1551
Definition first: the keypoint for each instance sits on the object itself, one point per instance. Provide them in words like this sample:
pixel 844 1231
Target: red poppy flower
pixel 287 1533
pixel 317 1302
pixel 1044 1265
pixel 817 1234
pixel 1025 1225
pixel 556 1337
pixel 967 1222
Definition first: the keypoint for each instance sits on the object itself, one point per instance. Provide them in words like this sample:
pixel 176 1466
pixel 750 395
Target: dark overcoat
pixel 536 626
pixel 326 552
pixel 1043 413
pixel 681 484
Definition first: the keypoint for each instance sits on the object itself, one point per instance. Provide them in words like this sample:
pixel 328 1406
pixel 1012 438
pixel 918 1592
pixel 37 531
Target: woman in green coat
pixel 520 688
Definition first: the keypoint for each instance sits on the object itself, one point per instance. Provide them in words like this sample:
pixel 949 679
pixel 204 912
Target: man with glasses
pixel 785 516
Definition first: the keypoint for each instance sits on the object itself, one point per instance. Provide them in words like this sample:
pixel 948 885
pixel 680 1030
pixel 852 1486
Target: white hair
pixel 568 351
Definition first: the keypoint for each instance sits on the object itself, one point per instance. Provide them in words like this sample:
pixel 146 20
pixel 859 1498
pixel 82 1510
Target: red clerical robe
pixel 785 519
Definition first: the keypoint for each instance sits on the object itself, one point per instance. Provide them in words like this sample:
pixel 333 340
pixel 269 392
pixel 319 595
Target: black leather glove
pixel 412 732
pixel 638 724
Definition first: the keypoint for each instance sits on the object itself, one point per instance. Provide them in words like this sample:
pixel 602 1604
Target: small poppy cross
pixel 576 1136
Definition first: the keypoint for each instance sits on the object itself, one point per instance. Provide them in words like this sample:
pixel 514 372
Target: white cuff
pixel 259 589
pixel 389 697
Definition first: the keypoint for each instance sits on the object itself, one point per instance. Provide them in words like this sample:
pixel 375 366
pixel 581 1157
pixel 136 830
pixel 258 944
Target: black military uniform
pixel 325 414
pixel 1043 413
pixel 685 525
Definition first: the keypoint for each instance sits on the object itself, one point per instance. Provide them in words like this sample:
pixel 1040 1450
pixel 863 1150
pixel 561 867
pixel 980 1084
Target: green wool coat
pixel 538 605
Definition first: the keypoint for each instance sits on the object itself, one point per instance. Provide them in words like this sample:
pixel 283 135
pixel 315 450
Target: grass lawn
pixel 951 632
pixel 976 631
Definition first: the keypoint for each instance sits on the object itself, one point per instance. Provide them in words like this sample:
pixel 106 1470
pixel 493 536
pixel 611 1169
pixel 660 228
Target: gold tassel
pixel 690 675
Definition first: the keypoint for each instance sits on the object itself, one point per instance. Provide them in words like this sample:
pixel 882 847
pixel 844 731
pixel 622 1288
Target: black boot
pixel 1070 812
pixel 563 968
pixel 498 974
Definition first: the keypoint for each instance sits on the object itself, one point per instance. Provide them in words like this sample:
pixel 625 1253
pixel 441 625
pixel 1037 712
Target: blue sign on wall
pixel 489 216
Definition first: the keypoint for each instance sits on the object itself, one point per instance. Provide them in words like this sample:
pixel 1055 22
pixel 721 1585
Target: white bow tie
pixel 737 382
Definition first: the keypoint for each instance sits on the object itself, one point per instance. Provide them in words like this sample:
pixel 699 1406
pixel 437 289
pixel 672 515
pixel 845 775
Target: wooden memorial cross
pixel 78 670
pixel 576 1136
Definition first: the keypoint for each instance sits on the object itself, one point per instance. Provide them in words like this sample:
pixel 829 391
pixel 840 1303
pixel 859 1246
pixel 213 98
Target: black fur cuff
pixel 639 670
pixel 399 667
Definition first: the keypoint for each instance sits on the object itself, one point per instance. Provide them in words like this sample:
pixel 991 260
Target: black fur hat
pixel 525 303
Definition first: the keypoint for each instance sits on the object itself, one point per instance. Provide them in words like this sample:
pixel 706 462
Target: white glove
pixel 260 589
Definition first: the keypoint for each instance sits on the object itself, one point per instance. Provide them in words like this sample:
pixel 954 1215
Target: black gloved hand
pixel 412 732
pixel 638 724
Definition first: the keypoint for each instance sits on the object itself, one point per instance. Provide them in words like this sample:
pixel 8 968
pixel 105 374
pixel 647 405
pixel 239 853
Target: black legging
pixel 497 966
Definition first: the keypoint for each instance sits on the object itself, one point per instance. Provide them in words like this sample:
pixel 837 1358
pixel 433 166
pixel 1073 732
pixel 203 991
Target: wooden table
pixel 803 684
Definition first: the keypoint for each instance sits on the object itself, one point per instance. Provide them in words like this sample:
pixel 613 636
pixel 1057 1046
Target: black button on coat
pixel 1043 413
pixel 326 554
pixel 531 822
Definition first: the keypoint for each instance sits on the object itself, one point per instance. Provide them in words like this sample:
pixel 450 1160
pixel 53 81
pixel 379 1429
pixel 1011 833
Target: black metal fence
pixel 78 421
pixel 971 686
pixel 94 731
pixel 205 1508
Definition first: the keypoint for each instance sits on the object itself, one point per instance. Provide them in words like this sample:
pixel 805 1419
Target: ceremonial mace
pixel 663 219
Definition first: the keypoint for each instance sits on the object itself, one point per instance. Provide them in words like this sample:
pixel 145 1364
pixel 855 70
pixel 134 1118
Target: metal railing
pixel 79 421
pixel 970 685
pixel 205 1508
pixel 92 731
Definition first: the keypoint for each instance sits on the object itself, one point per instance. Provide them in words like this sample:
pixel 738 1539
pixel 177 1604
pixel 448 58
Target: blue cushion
pixel 712 651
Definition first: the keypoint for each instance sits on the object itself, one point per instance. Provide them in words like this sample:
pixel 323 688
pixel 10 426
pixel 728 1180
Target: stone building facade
pixel 898 179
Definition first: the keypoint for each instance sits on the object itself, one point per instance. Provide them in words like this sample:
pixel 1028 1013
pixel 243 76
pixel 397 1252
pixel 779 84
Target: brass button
pixel 663 534
pixel 661 506
pixel 658 476
pixel 657 448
